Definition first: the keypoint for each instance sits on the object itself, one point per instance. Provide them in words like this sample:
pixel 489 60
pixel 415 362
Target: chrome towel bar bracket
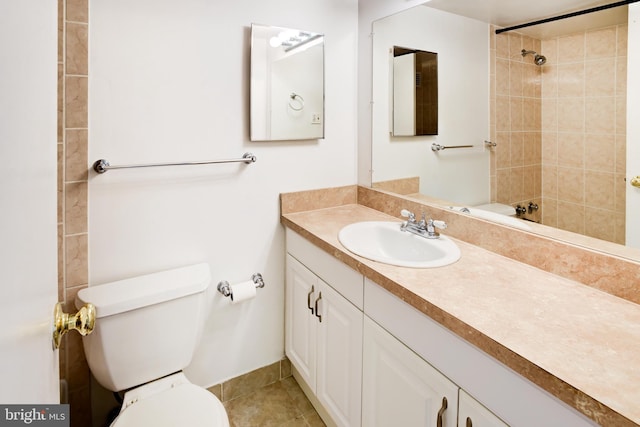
pixel 103 165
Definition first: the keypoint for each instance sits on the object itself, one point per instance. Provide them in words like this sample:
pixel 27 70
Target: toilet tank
pixel 146 327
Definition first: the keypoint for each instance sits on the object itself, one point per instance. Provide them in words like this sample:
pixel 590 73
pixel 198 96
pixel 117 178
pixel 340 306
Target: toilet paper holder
pixel 225 288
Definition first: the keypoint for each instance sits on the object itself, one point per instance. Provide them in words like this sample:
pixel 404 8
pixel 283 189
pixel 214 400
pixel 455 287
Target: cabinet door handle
pixel 441 412
pixel 309 299
pixel 469 423
pixel 318 315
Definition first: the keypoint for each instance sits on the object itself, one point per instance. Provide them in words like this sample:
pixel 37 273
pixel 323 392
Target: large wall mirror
pixel 559 124
pixel 287 84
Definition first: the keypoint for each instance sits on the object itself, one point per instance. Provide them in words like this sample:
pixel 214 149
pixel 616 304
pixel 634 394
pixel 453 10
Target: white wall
pixel 462 175
pixel 169 81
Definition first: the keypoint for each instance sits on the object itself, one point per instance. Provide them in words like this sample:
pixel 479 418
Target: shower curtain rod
pixel 568 15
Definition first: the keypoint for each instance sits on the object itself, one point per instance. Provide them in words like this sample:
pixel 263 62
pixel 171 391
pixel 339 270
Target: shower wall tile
pixel 571 48
pixel 571 185
pixel 621 40
pixel 571 114
pixel 571 80
pixel 571 150
pixel 600 153
pixel 621 115
pixel 601 43
pixel 599 189
pixel 600 77
pixel 600 115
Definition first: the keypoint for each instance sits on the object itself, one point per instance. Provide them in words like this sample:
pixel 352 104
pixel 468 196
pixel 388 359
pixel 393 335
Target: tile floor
pixel 281 403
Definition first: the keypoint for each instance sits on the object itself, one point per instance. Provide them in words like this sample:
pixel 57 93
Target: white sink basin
pixel 383 241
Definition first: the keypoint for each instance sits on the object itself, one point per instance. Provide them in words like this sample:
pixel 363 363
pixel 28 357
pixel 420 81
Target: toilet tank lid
pixel 130 294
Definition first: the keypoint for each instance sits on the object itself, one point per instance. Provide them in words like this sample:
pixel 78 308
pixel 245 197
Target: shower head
pixel 537 59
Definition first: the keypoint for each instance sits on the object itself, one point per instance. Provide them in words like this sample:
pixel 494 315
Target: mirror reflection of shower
pixel 537 59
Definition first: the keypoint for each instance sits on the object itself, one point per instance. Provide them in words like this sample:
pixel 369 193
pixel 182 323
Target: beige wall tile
pixel 600 190
pixel 503 186
pixel 76 260
pixel 76 100
pixel 516 179
pixel 503 150
pixel 550 50
pixel 571 217
pixel 600 77
pixel 600 115
pixel 550 182
pixel 502 77
pixel 620 228
pixel 601 43
pixel 516 112
pixel 60 102
pixel 571 115
pixel 550 115
pixel 76 52
pixel 571 48
pixel 550 212
pixel 516 73
pixel 571 185
pixel 517 149
pixel 515 46
pixel 76 143
pixel 60 183
pixel 549 148
pixel 571 150
pixel 503 114
pixel 621 154
pixel 599 223
pixel 621 115
pixel 61 292
pixel 76 207
pixel 620 186
pixel 502 46
pixel 549 75
pixel 78 10
pixel 621 76
pixel 600 152
pixel 622 36
pixel 571 80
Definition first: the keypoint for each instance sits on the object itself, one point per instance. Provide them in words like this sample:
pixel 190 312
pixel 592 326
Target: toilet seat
pixel 171 402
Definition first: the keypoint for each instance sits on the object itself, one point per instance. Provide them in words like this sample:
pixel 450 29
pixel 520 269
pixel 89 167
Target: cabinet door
pixel 339 375
pixel 300 332
pixel 472 414
pixel 400 388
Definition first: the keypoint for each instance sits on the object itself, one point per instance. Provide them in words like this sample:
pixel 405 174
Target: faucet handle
pixel 407 214
pixel 439 224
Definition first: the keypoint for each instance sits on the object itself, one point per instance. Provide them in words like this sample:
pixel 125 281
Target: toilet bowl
pixel 146 331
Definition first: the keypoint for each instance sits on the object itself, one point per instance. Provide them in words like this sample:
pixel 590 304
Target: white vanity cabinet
pixel 472 414
pixel 323 332
pixel 400 388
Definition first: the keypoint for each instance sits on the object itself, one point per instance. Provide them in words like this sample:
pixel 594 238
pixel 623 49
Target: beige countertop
pixel 579 343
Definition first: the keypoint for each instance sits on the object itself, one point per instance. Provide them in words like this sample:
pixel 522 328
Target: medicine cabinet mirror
pixel 415 92
pixel 287 84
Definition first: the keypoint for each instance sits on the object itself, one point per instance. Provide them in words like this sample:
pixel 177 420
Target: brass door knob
pixel 83 322
pixel 635 181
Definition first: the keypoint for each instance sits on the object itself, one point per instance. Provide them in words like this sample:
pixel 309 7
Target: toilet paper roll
pixel 242 291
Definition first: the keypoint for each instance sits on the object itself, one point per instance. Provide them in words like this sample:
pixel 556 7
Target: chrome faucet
pixel 424 228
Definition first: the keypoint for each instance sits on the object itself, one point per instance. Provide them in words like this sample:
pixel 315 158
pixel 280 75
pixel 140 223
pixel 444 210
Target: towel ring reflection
pixel 297 102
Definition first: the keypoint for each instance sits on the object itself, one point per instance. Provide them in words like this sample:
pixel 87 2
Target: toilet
pixel 146 331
